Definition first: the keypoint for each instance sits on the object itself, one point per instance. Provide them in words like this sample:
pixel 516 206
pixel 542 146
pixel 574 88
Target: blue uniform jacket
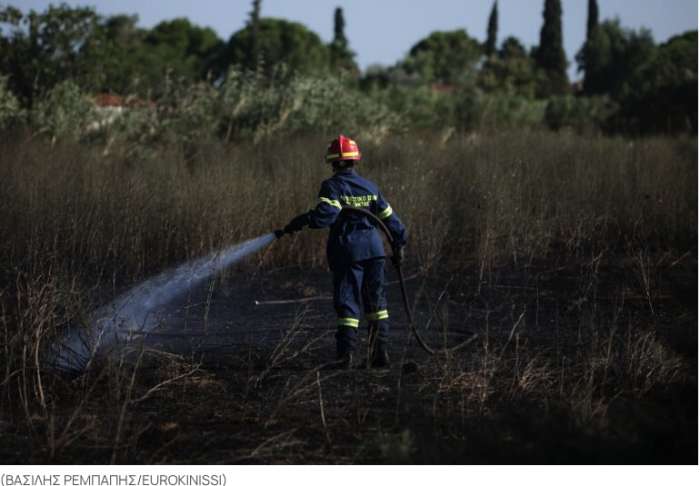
pixel 353 237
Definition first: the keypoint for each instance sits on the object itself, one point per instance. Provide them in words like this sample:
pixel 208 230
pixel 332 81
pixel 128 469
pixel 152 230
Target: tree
pixel 511 71
pixel 592 21
pixel 133 60
pixel 550 56
pixel 339 28
pixel 117 54
pixel 614 55
pixel 254 23
pixel 492 31
pixel 182 48
pixel 341 57
pixel 585 54
pixel 9 105
pixel 98 54
pixel 444 57
pixel 41 49
pixel 279 42
pixel 512 48
pixel 662 94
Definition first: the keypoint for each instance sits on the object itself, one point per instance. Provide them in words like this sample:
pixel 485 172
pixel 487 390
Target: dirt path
pixel 287 308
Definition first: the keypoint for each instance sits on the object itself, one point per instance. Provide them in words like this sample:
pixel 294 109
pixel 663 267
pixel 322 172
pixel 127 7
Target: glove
pixel 279 233
pixel 297 224
pixel 398 255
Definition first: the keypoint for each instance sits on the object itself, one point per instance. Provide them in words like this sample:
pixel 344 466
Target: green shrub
pixel 584 114
pixel 256 106
pixel 188 115
pixel 10 110
pixel 63 112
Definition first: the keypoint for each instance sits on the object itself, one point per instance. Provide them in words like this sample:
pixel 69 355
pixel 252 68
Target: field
pixel 572 259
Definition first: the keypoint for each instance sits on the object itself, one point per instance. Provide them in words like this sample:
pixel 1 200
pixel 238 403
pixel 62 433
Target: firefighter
pixel 355 251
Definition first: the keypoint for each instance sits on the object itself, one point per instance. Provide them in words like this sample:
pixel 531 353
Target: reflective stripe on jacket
pixel 353 237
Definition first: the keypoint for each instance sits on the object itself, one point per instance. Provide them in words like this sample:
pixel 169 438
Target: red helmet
pixel 342 148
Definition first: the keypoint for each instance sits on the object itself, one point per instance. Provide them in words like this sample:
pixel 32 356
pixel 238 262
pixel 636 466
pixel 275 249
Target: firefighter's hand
pixel 398 255
pixel 297 224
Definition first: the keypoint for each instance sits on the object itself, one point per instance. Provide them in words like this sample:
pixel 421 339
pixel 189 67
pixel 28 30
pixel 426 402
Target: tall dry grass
pixel 510 196
pixel 78 226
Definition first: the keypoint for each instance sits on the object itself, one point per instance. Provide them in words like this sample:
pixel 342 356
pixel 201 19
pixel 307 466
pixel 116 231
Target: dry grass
pixel 621 216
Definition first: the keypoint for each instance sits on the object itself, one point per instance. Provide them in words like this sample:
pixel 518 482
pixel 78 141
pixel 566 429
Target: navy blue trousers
pixel 359 286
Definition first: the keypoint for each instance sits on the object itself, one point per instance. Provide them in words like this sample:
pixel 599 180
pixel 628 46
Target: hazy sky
pixel 382 31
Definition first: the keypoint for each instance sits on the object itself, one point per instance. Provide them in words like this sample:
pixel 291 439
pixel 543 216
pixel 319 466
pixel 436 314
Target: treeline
pixel 449 79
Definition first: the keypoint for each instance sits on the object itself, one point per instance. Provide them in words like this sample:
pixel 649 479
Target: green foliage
pixel 64 112
pixel 512 48
pixel 47 59
pixel 132 60
pixel 550 55
pixel 478 111
pixel 248 105
pixel 444 57
pixel 100 54
pixel 135 60
pixel 10 111
pixel 662 95
pixel 512 71
pixel 588 114
pixel 278 42
pixel 592 20
pixel 583 55
pixel 186 117
pixel 655 86
pixel 253 52
pixel 120 61
pixel 254 107
pixel 558 112
pixel 45 48
pixel 189 115
pixel 492 31
pixel 612 58
pixel 183 49
pixel 466 108
pixel 420 106
pixel 342 59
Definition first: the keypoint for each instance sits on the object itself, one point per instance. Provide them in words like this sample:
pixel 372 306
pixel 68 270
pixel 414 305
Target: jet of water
pixel 137 309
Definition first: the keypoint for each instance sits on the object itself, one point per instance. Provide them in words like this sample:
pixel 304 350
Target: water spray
pixel 136 311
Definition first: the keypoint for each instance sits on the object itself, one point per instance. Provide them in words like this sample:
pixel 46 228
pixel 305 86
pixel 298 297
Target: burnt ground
pixel 571 364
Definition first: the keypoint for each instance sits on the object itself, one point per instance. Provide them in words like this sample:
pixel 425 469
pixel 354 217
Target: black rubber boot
pixel 381 359
pixel 345 339
pixel 344 362
pixel 379 344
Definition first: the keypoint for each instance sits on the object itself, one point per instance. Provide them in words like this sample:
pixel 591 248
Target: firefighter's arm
pixel 296 224
pixel 324 214
pixel 389 217
pixel 327 210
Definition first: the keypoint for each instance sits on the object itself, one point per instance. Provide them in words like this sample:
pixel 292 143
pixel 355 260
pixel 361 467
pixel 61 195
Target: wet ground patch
pixel 569 366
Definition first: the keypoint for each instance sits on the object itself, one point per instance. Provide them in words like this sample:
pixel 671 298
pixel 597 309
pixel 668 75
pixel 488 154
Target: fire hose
pixel 397 265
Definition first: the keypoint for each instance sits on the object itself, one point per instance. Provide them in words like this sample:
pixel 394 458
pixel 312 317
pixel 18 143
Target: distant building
pixel 443 88
pixel 109 107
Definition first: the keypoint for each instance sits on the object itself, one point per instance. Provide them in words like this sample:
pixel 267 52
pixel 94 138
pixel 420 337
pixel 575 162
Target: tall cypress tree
pixel 592 22
pixel 254 23
pixel 492 31
pixel 339 38
pixel 340 55
pixel 550 56
pixel 586 55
